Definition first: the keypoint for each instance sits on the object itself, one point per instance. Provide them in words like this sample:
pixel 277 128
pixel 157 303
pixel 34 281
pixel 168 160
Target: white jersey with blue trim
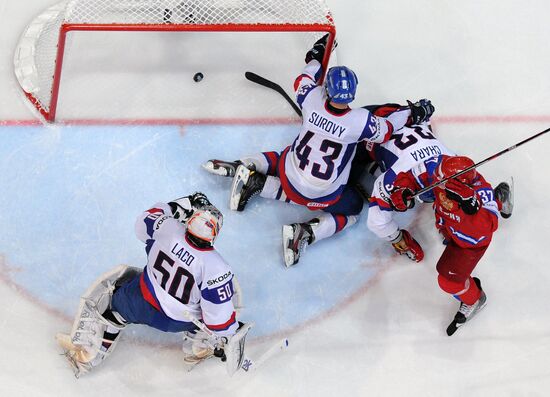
pixel 182 277
pixel 319 161
pixel 408 147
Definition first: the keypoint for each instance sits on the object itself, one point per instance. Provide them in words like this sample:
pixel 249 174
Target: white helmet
pixel 205 224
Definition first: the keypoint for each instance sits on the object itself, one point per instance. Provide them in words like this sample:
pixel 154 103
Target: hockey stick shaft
pixel 476 165
pixel 252 365
pixel 274 86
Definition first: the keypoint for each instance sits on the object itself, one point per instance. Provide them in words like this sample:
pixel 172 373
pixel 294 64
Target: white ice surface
pixel 361 322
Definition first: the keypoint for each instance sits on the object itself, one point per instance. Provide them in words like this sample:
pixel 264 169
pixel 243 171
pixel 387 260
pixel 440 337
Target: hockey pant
pixel 380 216
pixel 455 268
pixel 129 301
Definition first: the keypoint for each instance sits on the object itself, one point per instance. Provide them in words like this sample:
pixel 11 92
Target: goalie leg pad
pixel 93 337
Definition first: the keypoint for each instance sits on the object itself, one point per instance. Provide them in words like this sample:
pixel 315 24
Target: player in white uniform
pixel 314 170
pixel 405 149
pixel 185 281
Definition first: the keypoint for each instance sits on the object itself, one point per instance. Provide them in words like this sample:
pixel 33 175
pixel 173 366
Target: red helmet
pixel 451 165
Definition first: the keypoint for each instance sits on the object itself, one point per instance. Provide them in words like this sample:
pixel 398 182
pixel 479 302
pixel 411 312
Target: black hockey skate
pixel 296 237
pixel 504 192
pixel 222 168
pixel 246 184
pixel 467 312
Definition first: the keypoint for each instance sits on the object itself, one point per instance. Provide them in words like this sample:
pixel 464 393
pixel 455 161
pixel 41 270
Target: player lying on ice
pixel 407 148
pixel 466 215
pixel 185 281
pixel 313 171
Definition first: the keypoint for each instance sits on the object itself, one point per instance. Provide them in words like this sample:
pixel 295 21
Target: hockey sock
pixel 471 295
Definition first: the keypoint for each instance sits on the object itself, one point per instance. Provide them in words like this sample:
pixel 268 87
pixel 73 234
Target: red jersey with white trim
pixel 183 278
pixel 318 163
pixel 467 231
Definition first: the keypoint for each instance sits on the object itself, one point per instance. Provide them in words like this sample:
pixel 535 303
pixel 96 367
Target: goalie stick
pixel 248 364
pixel 275 87
pixel 476 165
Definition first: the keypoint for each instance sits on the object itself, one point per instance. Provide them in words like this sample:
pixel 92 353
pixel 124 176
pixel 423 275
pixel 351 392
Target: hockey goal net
pixel 46 52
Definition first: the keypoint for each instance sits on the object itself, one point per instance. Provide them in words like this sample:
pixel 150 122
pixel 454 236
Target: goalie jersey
pixel 180 278
pixel 317 165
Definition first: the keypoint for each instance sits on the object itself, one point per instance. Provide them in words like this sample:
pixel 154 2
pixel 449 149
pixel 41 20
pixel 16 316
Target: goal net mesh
pixel 42 51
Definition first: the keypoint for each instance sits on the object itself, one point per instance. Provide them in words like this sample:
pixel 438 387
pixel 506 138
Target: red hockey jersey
pixel 467 231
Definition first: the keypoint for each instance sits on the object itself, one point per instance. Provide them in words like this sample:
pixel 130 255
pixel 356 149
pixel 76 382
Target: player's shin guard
pixel 404 244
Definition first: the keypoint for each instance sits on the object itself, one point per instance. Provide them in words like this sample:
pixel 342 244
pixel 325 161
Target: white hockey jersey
pixel 318 163
pixel 180 277
pixel 408 147
pixel 405 149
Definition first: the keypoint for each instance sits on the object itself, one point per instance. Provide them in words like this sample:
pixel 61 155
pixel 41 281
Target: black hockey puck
pixel 198 77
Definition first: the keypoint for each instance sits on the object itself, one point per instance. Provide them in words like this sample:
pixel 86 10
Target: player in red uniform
pixel 466 213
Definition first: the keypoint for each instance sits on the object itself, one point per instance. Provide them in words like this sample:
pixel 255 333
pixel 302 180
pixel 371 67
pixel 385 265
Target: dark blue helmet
pixel 341 84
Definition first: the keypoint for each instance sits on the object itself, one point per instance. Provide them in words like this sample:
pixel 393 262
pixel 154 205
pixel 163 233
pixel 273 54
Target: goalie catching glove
pixel 202 344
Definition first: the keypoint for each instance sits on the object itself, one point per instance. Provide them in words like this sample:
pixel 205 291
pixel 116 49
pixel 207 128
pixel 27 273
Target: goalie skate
pixel 222 168
pixel 504 192
pixel 296 237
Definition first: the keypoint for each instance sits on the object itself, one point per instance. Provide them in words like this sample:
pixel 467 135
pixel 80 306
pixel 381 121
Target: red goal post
pixel 38 59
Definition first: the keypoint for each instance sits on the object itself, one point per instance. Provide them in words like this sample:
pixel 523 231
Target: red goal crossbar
pixel 41 83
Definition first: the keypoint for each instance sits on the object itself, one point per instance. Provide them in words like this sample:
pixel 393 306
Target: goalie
pixel 185 287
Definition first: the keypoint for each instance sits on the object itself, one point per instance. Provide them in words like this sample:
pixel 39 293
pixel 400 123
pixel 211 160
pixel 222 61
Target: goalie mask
pixel 451 165
pixel 205 225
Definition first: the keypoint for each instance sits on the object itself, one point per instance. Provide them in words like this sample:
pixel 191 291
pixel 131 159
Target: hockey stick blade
pixel 275 87
pixel 251 365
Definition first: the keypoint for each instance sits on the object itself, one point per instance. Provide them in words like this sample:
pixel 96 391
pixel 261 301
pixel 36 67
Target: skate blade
pixel 239 181
pixel 288 254
pixel 211 168
pixel 508 214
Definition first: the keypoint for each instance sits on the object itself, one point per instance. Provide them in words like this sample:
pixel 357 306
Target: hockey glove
pixel 464 195
pixel 400 199
pixel 421 111
pixel 199 200
pixel 318 50
pixel 405 244
pixel 403 188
